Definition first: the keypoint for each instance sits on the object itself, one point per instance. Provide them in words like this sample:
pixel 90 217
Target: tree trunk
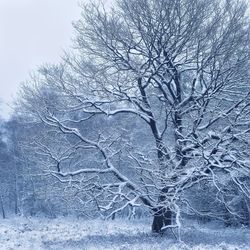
pixel 2 207
pixel 162 217
pixel 16 196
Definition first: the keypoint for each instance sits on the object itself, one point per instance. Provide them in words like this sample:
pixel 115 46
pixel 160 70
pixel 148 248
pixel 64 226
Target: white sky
pixel 32 32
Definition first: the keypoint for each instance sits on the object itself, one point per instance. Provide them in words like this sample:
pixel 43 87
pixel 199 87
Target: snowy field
pixel 71 233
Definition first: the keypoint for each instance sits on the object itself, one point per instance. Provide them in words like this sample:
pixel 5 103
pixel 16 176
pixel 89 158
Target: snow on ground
pixel 72 233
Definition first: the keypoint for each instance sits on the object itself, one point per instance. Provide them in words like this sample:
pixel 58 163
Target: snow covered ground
pixel 72 233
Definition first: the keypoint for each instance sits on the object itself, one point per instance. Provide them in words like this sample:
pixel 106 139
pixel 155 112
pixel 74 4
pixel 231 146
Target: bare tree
pixel 177 69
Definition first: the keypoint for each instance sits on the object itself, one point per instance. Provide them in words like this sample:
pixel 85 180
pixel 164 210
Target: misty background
pixel 31 33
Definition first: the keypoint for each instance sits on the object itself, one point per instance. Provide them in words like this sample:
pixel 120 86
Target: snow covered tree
pixel 178 72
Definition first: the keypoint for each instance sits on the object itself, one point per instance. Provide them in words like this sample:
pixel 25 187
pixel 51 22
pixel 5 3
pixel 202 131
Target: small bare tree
pixel 178 71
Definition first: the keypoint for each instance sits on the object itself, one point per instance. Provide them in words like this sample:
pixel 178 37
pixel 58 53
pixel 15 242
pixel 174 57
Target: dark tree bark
pixel 2 207
pixel 162 217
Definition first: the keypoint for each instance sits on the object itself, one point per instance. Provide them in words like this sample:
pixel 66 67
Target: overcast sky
pixel 32 32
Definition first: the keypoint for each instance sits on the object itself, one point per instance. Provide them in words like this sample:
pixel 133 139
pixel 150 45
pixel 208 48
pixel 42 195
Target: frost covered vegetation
pixel 69 233
pixel 148 115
